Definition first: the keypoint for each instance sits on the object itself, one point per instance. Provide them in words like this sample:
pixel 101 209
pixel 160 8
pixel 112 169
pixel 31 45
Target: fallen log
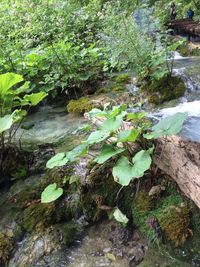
pixel 178 158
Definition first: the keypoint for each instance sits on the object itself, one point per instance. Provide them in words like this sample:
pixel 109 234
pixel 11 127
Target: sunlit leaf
pixel 35 98
pixel 78 151
pixel 120 217
pixel 122 171
pixel 6 122
pixel 8 80
pixel 58 160
pixel 97 137
pixel 141 163
pixel 107 152
pixel 128 135
pixel 51 193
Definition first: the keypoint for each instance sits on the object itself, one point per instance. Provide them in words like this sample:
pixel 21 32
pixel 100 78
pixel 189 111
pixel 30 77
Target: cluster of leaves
pixel 148 53
pixel 14 103
pixel 116 140
pixel 53 44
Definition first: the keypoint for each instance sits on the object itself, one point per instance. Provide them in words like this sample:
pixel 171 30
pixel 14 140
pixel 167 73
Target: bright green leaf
pixel 169 126
pixel 141 163
pixel 35 98
pixel 78 151
pixel 97 137
pixel 122 171
pixel 120 217
pixel 107 152
pixel 58 160
pixel 128 135
pixel 8 80
pixel 51 193
pixel 6 122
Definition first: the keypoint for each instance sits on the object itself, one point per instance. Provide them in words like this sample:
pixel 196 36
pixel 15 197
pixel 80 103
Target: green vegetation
pixel 65 54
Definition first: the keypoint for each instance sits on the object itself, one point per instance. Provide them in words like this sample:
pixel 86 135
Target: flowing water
pixel 189 69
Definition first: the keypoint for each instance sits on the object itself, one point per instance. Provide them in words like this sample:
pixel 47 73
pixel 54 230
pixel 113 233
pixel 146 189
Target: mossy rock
pixel 143 201
pixel 123 78
pixel 38 216
pixel 101 192
pixel 175 223
pixel 80 106
pixel 165 89
pixel 169 212
pixel 6 248
pixel 69 231
pixel 185 50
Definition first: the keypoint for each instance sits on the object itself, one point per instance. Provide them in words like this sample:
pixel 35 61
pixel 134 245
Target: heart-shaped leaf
pixel 122 171
pixel 58 160
pixel 97 137
pixel 168 126
pixel 141 163
pixel 128 135
pixel 78 151
pixel 107 152
pixel 51 193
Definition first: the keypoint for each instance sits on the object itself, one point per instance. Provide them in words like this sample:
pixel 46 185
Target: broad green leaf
pixel 170 125
pixel 51 193
pixel 120 217
pixel 107 152
pixel 78 151
pixel 8 80
pixel 122 171
pixel 112 124
pixel 95 112
pixel 97 137
pixel 128 135
pixel 136 116
pixel 58 160
pixel 35 98
pixel 6 122
pixel 141 163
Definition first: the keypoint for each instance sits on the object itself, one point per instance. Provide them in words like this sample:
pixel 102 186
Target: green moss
pixel 170 213
pixel 175 222
pixel 123 78
pixel 38 216
pixel 80 106
pixel 185 50
pixel 143 201
pixel 6 248
pixel 165 89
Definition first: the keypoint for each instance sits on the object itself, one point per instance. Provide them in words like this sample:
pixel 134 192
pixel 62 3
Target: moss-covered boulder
pixel 80 106
pixel 187 49
pixel 165 89
pixel 124 78
pixel 6 248
pixel 175 223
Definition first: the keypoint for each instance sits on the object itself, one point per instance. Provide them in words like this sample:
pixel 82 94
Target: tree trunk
pixel 180 159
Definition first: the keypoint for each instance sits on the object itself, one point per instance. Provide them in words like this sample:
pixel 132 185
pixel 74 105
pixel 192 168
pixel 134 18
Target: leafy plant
pixel 14 103
pixel 117 142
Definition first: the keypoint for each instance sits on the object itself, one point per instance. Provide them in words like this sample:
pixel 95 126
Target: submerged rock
pixel 36 246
